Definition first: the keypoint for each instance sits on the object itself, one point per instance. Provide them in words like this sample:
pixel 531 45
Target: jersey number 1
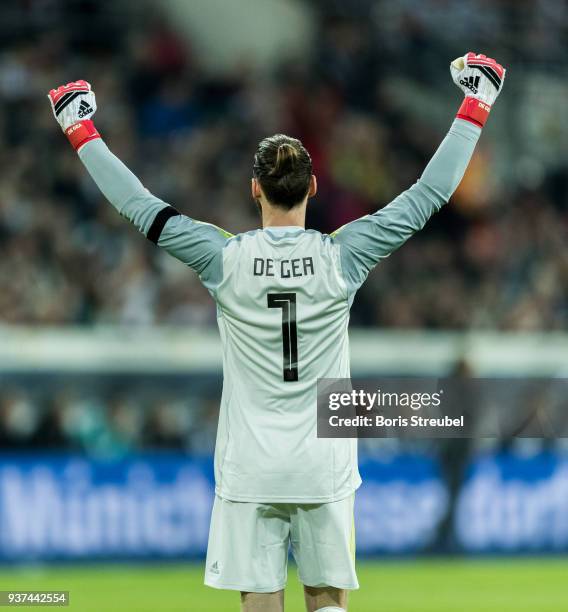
pixel 287 302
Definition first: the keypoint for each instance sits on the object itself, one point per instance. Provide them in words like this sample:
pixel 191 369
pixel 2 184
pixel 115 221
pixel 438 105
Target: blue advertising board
pixel 71 507
pixel 158 506
pixel 514 502
pixel 400 504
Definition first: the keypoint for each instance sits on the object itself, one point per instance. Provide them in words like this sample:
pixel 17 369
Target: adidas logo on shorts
pixel 214 569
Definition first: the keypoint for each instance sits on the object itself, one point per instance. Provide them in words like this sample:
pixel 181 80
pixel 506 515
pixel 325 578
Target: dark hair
pixel 283 168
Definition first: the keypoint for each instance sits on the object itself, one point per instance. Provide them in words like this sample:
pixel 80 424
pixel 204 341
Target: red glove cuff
pixel 81 133
pixel 474 111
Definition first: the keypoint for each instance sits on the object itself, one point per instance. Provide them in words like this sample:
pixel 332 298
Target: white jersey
pixel 283 297
pixel 283 315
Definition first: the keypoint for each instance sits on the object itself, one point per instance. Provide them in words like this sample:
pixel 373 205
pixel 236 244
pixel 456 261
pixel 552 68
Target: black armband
pixel 161 219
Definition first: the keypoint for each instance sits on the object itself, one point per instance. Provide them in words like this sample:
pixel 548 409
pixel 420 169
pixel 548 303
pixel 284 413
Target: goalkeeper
pixel 283 296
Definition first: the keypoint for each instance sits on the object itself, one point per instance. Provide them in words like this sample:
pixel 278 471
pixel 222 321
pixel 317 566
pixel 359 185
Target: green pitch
pixel 508 585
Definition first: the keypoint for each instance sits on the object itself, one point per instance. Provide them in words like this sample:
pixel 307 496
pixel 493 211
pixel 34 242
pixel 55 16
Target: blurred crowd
pixel 116 415
pixel 370 103
pixel 111 418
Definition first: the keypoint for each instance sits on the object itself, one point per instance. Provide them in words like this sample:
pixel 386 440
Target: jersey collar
pixel 284 229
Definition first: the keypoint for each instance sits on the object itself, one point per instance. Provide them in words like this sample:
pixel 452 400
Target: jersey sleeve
pixel 365 241
pixel 198 245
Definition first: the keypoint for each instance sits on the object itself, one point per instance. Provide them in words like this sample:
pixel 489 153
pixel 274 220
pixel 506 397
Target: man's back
pixel 283 312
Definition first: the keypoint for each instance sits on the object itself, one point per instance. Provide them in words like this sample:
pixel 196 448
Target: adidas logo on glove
pixel 472 83
pixel 85 109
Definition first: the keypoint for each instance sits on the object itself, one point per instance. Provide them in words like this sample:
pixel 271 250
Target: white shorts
pixel 249 543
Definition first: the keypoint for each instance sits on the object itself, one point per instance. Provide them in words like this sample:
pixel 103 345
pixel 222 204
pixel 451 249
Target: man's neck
pixel 276 217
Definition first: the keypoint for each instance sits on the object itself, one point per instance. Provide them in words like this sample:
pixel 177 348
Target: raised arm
pixel 367 240
pixel 198 245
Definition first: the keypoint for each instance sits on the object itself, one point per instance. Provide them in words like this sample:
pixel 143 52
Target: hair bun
pixel 286 157
pixel 283 168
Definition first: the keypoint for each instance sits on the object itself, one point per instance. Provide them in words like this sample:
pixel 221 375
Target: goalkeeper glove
pixel 73 105
pixel 481 79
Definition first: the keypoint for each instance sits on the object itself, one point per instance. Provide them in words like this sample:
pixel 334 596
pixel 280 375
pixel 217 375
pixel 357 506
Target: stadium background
pixel 109 356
